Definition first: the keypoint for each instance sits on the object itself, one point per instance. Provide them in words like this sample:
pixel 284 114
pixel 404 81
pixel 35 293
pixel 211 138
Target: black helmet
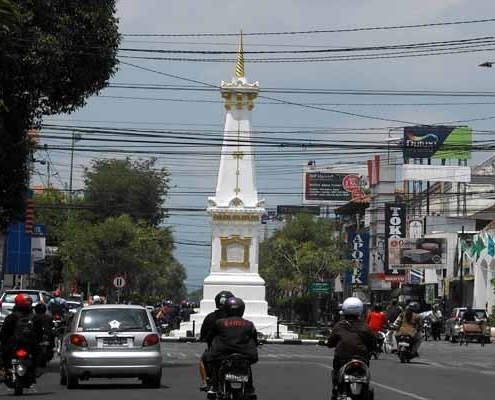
pixel 234 307
pixel 221 297
pixel 414 306
pixel 40 308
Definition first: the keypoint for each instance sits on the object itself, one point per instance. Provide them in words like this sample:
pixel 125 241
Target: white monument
pixel 236 212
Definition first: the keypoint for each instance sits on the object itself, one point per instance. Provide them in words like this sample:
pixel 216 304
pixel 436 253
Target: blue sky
pixel 194 176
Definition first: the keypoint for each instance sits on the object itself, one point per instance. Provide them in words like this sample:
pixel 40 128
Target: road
pixel 292 372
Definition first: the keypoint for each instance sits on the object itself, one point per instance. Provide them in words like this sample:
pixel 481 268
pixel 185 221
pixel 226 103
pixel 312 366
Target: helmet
pixel 40 308
pixel 234 307
pixel 352 306
pixel 414 306
pixel 96 299
pixel 23 301
pixel 221 297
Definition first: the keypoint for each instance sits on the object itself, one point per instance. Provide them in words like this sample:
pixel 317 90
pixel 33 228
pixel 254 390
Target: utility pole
pixel 71 166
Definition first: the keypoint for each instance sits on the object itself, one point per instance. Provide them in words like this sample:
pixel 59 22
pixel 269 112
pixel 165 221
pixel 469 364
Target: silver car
pixel 110 341
pixel 453 324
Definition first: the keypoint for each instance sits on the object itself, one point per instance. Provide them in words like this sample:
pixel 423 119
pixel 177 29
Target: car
pixel 7 299
pixel 452 324
pixel 111 341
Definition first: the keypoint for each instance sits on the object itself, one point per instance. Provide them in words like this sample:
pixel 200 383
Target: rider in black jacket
pixel 233 334
pixel 22 310
pixel 206 327
pixel 351 338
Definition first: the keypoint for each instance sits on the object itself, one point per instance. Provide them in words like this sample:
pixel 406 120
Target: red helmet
pixel 23 300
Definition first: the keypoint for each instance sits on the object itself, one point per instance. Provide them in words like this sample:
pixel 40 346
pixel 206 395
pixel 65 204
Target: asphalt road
pixel 443 372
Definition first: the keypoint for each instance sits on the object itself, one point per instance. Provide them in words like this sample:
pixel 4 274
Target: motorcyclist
pixel 436 318
pixel 351 338
pixel 46 352
pixel 9 335
pixel 58 305
pixel 97 299
pixel 204 336
pixel 233 334
pixel 469 315
pixel 377 320
pixel 409 324
pixel 393 311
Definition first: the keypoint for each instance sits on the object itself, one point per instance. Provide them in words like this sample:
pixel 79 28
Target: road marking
pixel 374 383
pixel 392 389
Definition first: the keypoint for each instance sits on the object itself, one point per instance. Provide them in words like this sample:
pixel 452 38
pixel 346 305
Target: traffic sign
pixel 320 287
pixel 119 282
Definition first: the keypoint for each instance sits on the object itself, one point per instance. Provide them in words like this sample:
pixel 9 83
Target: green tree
pixel 50 211
pixel 136 188
pixel 306 250
pixel 95 253
pixel 55 55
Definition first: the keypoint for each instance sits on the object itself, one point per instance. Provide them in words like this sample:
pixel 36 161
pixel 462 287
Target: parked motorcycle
pixel 353 381
pixel 23 373
pixel 233 376
pixel 404 348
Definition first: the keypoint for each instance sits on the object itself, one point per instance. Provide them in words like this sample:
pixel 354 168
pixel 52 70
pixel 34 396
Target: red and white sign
pixel 118 282
pixel 395 278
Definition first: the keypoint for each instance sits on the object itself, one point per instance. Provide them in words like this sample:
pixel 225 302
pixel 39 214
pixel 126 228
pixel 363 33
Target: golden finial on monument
pixel 239 69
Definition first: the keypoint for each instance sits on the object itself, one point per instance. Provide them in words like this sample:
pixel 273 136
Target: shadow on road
pixel 113 386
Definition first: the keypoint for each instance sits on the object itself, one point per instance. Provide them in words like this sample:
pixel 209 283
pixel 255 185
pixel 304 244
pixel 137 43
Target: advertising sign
pixel 395 227
pixel 360 258
pixel 436 173
pixel 18 250
pixel 417 253
pixel 293 210
pixel 442 142
pixel 320 287
pixel 330 186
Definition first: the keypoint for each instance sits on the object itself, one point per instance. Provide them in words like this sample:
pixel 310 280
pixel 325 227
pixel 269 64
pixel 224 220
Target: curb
pixel 314 342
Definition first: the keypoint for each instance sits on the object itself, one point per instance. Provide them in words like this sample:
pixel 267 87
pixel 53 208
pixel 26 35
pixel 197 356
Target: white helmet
pixel 96 299
pixel 352 306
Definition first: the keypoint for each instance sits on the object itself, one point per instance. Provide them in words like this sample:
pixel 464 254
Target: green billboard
pixel 457 146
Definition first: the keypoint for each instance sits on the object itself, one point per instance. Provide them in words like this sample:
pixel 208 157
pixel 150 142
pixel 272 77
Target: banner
pixel 330 186
pixel 417 253
pixel 395 227
pixel 442 142
pixel 18 250
pixel 360 258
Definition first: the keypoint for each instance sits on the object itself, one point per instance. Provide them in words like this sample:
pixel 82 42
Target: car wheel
pixel 72 381
pixel 153 381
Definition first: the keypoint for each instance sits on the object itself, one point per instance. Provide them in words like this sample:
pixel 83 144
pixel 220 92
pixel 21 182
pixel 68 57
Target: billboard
pixel 417 253
pixel 320 187
pixel 442 142
pixel 395 227
pixel 436 173
pixel 294 210
pixel 360 258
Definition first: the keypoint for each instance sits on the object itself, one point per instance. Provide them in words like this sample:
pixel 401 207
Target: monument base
pixel 250 288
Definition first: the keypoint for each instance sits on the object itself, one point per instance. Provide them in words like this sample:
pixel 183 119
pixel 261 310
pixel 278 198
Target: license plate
pixel 404 344
pixel 115 341
pixel 236 378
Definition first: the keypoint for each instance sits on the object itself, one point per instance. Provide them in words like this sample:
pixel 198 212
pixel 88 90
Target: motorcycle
pixel 233 376
pixel 390 344
pixel 59 325
pixel 380 340
pixel 353 381
pixel 426 329
pixel 404 348
pixel 23 373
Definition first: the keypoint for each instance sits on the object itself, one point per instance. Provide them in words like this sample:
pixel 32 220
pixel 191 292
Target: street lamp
pixel 487 64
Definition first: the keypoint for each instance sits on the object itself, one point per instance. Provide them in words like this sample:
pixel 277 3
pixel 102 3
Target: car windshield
pixel 114 319
pixel 10 297
pixel 480 314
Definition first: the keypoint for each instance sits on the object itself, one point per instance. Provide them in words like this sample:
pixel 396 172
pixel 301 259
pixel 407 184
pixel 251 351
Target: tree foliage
pixel 95 253
pixel 54 54
pixel 50 211
pixel 136 188
pixel 306 250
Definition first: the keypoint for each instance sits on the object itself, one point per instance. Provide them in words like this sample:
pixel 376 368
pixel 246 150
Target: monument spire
pixel 239 68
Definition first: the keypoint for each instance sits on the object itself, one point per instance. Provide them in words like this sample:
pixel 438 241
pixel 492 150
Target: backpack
pixel 24 332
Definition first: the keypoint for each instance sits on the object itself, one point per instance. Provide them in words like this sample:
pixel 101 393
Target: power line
pixel 314 31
